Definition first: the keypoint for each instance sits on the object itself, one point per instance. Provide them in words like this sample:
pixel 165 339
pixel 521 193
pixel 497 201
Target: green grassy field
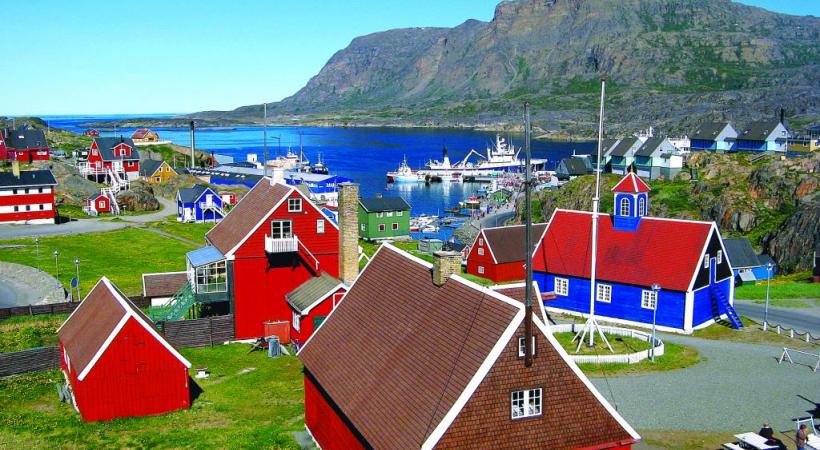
pixel 122 255
pixel 192 231
pixel 250 401
pixel 783 287
pixel 23 332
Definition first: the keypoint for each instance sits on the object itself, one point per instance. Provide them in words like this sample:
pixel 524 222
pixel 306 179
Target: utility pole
pixel 193 144
pixel 265 139
pixel 528 241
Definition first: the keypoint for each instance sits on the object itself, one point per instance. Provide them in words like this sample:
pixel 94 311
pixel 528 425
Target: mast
pixel 193 144
pixel 528 240
pixel 265 139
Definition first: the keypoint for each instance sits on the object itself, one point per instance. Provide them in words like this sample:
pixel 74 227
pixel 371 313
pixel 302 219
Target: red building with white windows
pixel 117 154
pixel 117 363
pixel 98 204
pixel 24 144
pixel 27 196
pixel 498 253
pixel 311 303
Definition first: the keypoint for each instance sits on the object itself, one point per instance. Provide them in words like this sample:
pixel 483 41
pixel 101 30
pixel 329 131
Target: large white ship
pixel 500 159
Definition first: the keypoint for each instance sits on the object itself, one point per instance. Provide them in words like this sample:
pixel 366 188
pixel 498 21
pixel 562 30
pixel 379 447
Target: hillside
pixel 670 62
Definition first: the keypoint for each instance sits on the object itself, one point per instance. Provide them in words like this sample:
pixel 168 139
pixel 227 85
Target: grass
pixel 24 332
pixel 752 334
pixel 122 255
pixel 682 440
pixel 191 231
pixel 793 286
pixel 250 401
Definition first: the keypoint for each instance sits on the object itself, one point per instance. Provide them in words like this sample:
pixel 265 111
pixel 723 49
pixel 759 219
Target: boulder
pixel 138 199
pixel 793 243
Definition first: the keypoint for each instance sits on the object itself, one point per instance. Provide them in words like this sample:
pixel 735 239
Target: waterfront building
pixel 657 157
pixel 764 136
pixel 685 259
pixel 24 144
pixel 416 356
pixel 383 218
pixel 747 265
pixel 27 196
pixel 572 167
pixel 311 303
pixel 498 253
pixel 715 136
pixel 155 171
pixel 145 135
pixel 199 204
pixel 115 159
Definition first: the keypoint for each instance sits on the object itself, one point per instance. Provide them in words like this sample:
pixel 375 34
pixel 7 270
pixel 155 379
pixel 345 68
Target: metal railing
pixel 281 245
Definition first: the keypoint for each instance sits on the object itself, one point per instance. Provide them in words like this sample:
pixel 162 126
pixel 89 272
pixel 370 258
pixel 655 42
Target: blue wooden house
pixel 714 136
pixel 199 204
pixel 686 258
pixel 765 136
pixel 622 156
pixel 747 265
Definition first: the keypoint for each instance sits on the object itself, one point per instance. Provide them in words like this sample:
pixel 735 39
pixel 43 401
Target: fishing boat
pixel 404 174
pixel 501 158
pixel 319 168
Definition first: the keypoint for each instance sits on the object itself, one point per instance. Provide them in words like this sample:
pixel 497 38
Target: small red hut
pixel 311 303
pixel 498 253
pixel 98 204
pixel 117 363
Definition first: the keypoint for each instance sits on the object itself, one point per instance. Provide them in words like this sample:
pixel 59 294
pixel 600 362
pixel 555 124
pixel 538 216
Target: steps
pixel 176 308
pixel 734 319
pixel 111 195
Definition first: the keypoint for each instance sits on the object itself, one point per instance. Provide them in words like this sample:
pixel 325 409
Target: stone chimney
pixel 446 263
pixel 348 232
pixel 277 176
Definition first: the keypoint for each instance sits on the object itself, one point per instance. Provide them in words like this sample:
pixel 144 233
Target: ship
pixel 404 174
pixel 500 159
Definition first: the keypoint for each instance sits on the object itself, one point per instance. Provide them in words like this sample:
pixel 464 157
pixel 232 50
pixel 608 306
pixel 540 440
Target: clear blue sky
pixel 149 56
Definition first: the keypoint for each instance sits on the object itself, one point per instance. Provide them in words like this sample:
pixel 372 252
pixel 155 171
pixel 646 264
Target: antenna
pixel 528 240
pixel 591 326
pixel 193 141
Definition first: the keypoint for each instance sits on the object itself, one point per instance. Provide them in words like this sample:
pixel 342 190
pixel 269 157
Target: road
pixel 90 225
pixel 801 319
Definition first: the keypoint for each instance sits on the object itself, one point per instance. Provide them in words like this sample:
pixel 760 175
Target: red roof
pixel 631 183
pixel 663 251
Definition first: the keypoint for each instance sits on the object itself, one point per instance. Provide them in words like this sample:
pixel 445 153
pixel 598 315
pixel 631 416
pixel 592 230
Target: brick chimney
pixel 446 263
pixel 348 232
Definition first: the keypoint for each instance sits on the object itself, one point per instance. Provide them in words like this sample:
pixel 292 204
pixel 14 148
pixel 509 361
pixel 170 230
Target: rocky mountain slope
pixel 669 62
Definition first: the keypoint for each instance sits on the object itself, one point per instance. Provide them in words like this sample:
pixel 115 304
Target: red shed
pixel 117 363
pixel 98 204
pixel 498 253
pixel 311 303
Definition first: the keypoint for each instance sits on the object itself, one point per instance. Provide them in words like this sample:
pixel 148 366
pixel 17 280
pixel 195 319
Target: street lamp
pixel 655 289
pixel 77 265
pixel 37 245
pixel 769 267
pixel 56 266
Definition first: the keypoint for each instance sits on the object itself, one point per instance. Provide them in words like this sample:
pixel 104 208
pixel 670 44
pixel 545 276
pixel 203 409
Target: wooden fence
pixel 56 308
pixel 30 360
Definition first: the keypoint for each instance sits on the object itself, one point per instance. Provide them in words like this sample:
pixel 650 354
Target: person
pixel 768 433
pixel 801 437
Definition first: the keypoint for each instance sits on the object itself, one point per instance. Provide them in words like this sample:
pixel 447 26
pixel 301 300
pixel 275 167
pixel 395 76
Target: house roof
pixel 623 147
pixel 91 328
pixel 205 255
pixel 607 145
pixel 164 284
pixel 192 194
pixel 663 251
pixel 399 339
pixel 381 204
pixel 246 216
pixel 95 196
pixel 24 137
pixel 708 131
pixel 507 243
pixel 518 292
pixel 141 133
pixel 574 165
pixel 650 146
pixel 759 131
pixel 149 166
pixel 27 178
pixel 631 183
pixel 312 291
pixel 106 145
pixel 740 253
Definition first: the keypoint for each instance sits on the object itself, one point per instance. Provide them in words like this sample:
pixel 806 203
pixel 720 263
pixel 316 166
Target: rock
pixel 793 244
pixel 683 176
pixel 139 198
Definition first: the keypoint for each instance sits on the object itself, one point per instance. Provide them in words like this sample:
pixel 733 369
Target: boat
pixel 404 174
pixel 500 159
pixel 430 229
pixel 319 168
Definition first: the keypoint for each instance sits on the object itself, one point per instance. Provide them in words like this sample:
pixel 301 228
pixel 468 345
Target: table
pixel 754 440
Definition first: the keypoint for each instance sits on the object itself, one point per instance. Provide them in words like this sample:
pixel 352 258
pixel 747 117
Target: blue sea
pixel 363 154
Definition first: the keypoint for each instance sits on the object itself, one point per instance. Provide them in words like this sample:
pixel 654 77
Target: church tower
pixel 631 202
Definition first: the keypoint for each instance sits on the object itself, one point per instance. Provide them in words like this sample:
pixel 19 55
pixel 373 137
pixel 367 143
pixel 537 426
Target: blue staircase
pixel 734 319
pixel 176 308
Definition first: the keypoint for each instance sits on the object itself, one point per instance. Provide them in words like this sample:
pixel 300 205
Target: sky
pixel 178 56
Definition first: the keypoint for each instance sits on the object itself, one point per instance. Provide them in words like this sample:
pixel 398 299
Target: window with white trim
pixel 297 321
pixel 624 206
pixel 320 226
pixel 389 213
pixel 395 226
pixel 604 293
pixel 706 261
pixel 294 205
pixel 281 229
pixel 364 227
pixel 481 270
pixel 642 206
pixel 379 215
pixel 480 241
pixel 522 350
pixel 649 299
pixel 399 213
pixel 381 227
pixel 480 252
pixel 525 403
pixel 719 257
pixel 561 286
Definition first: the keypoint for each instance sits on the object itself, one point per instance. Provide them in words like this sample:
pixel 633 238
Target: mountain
pixel 669 62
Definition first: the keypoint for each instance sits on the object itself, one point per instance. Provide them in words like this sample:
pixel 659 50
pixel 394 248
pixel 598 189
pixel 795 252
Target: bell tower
pixel 631 202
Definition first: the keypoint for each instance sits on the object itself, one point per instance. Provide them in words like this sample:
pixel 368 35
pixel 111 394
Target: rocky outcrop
pixel 793 244
pixel 139 198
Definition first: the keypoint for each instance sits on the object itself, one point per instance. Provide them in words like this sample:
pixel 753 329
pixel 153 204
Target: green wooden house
pixel 383 218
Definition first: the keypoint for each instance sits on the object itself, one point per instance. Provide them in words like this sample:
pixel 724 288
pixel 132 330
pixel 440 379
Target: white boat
pixel 500 159
pixel 404 174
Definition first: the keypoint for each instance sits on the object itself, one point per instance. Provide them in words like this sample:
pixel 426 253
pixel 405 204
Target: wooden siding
pixel 306 323
pixel 326 422
pixel 57 308
pixel 203 332
pixel 30 360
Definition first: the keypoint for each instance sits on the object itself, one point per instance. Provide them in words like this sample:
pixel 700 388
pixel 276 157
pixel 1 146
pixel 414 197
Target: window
pixel 281 229
pixel 480 241
pixel 40 190
pixel 642 206
pixel 157 179
pixel 16 208
pixel 624 206
pixel 379 215
pixel 212 278
pixel 480 252
pixel 522 350
pixel 364 227
pixel 526 403
pixel 42 207
pixel 294 205
pixel 481 270
pixel 399 213
pixel 604 293
pixel 706 261
pixel 381 227
pixel 320 226
pixel 719 257
pixel 561 286
pixel 389 213
pixel 395 226
pixel 14 191
pixel 297 321
pixel 649 299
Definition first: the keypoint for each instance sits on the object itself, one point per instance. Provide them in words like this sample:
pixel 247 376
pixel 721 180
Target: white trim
pixel 230 253
pixel 543 233
pixel 688 310
pixel 312 438
pixel 104 346
pixel 307 310
pixel 578 373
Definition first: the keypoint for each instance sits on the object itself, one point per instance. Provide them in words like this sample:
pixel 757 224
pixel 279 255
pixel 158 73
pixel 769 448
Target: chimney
pixel 446 263
pixel 782 116
pixel 277 176
pixel 348 232
pixel 15 168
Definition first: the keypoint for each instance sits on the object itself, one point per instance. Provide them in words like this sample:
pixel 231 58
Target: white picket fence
pixel 609 358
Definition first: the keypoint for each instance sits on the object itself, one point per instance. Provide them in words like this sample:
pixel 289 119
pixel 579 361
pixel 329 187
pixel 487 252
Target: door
pixel 712 271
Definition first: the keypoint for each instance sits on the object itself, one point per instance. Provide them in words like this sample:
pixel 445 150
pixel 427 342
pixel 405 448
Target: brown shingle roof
pixel 244 217
pixel 162 284
pixel 507 243
pixel 416 347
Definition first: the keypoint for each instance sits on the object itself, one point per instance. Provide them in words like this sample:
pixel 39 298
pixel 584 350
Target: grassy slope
pixel 122 255
pixel 256 409
pixel 793 286
pixel 192 231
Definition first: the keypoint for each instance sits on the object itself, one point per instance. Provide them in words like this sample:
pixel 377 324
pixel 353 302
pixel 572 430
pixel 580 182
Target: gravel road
pixel 802 319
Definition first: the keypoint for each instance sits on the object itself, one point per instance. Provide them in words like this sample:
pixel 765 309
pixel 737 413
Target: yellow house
pixel 156 171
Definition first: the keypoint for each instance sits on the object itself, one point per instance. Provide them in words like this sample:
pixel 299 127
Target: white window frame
pixel 382 227
pixel 389 213
pixel 364 227
pixel 297 321
pixel 520 403
pixel 706 261
pixel 641 206
pixel 395 226
pixel 719 257
pixel 294 205
pixel 624 203
pixel 481 270
pixel 480 251
pixel 521 349
pixel 480 241
pixel 399 213
pixel 379 215
pixel 603 293
pixel 282 228
pixel 320 226
pixel 561 286
pixel 649 299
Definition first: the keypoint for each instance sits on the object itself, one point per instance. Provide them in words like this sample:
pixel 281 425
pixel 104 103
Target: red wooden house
pixel 27 196
pixel 117 363
pixel 25 144
pixel 498 253
pixel 4 153
pixel 113 153
pixel 415 356
pixel 98 204
pixel 311 303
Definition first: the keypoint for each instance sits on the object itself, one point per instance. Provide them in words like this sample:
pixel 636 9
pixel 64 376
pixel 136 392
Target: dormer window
pixel 526 403
pixel 624 206
pixel 294 205
pixel 641 206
